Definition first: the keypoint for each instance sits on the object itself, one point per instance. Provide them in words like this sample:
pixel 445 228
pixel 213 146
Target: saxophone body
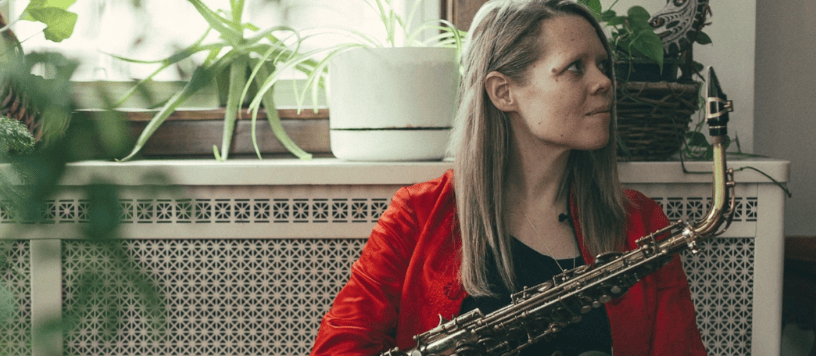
pixel 537 313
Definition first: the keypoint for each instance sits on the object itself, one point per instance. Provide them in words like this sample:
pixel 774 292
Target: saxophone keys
pixel 615 290
pixel 692 245
pixel 604 298
pixel 545 286
pixel 442 320
pixel 587 304
pixel 470 351
pixel 606 257
pixel 596 304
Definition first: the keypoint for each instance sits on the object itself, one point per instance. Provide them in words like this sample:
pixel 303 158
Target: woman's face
pixel 567 97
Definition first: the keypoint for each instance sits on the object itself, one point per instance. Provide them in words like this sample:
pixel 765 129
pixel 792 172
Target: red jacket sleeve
pixel 363 318
pixel 675 331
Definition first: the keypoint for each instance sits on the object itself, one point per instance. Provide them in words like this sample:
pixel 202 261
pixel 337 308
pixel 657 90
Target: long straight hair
pixel 504 37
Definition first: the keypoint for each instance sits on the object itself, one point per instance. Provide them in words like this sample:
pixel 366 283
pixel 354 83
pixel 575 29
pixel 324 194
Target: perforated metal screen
pixel 721 279
pixel 266 296
pixel 222 297
pixel 15 298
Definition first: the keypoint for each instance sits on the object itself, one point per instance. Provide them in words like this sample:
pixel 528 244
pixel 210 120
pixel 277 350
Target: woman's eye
pixel 575 67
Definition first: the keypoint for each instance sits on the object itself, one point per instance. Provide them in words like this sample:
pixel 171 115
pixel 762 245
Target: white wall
pixel 786 101
pixel 732 32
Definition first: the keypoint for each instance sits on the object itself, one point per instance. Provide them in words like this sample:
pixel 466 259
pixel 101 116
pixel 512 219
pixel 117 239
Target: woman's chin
pixel 593 145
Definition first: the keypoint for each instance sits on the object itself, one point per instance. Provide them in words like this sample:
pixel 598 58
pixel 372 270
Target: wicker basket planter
pixel 653 118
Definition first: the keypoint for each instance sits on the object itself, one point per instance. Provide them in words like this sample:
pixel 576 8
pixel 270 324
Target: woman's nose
pixel 601 83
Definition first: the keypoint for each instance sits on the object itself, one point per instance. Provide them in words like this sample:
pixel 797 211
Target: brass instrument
pixel 538 312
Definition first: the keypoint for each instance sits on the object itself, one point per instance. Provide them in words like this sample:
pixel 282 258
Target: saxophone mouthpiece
pixel 717 106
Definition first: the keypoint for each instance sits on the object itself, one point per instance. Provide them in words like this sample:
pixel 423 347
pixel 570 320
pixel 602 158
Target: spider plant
pixel 399 32
pixel 231 56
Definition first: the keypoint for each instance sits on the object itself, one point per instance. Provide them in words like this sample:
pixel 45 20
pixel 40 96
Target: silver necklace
pixel 547 246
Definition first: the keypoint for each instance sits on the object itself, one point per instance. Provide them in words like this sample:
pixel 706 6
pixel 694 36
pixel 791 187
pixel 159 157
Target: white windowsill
pixel 328 171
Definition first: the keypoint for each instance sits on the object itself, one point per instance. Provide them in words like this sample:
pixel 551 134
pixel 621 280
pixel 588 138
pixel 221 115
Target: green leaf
pixel 608 15
pixel 616 21
pixel 166 62
pixel 228 30
pixel 237 80
pixel 697 66
pixel 237 10
pixel 702 38
pixel 267 99
pixel 696 139
pixel 38 4
pixel 594 5
pixel 638 13
pixel 650 45
pixel 15 137
pixel 60 23
pixel 202 76
pixel 215 153
pixel 62 4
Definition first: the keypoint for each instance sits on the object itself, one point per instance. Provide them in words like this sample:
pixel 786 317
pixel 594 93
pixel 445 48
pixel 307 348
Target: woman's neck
pixel 535 177
pixel 534 197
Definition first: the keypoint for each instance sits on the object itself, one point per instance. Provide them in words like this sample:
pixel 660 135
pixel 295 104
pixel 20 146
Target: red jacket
pixel 407 277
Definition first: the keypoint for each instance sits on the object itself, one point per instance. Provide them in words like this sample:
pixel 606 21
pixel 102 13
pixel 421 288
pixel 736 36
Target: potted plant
pixel 653 47
pixel 237 65
pixel 654 106
pixel 389 100
pixel 15 138
pixel 26 97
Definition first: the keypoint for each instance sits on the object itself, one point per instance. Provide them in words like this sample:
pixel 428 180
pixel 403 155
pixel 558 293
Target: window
pixel 154 29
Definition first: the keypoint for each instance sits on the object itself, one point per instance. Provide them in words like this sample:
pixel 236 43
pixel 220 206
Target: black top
pixel 591 334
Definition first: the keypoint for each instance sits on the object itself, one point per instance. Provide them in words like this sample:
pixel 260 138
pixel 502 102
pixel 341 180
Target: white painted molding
pixel 327 171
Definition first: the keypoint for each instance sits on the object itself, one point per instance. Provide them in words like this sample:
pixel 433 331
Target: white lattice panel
pixel 219 211
pixel 223 297
pixel 251 270
pixel 248 297
pixel 299 211
pixel 721 278
pixel 694 208
pixel 15 298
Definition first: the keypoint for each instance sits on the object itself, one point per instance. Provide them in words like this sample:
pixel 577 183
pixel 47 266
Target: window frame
pixel 86 97
pixel 185 130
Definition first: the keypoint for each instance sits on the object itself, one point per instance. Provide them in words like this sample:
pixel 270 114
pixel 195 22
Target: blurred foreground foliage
pixel 30 177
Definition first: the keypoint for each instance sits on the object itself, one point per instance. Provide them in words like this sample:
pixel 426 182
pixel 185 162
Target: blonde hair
pixel 504 37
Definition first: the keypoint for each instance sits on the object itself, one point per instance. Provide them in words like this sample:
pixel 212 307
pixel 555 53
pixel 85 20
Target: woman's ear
pixel 498 87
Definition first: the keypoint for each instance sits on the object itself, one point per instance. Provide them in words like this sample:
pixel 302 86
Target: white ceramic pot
pixel 392 104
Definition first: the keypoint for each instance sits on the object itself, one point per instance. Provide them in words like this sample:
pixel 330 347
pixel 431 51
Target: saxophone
pixel 538 312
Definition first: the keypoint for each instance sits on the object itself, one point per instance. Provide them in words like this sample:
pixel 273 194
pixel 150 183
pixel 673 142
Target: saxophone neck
pixel 723 199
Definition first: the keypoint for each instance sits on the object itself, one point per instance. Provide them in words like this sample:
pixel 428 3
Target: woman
pixel 536 192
